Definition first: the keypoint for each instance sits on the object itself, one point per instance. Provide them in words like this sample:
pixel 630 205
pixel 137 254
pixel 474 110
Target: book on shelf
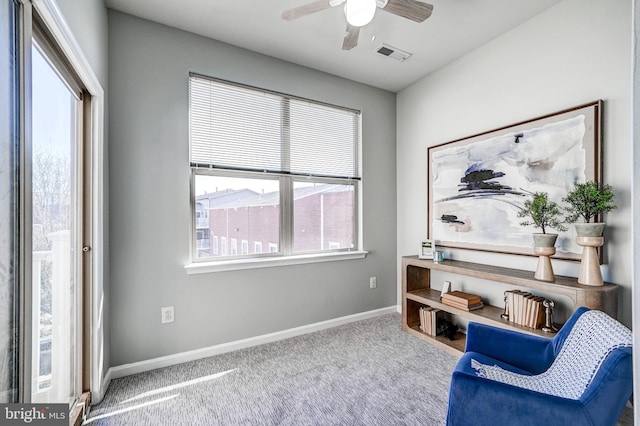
pixel 537 314
pixel 429 317
pixel 424 319
pixel 514 298
pixel 462 306
pixel 462 297
pixel 436 316
pixel 525 308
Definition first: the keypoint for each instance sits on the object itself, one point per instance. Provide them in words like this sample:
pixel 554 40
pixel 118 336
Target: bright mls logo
pixel 35 414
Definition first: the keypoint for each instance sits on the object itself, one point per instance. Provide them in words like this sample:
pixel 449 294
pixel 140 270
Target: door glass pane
pixel 323 216
pixel 55 237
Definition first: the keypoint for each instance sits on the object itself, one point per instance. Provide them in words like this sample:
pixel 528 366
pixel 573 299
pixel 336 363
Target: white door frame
pixel 54 20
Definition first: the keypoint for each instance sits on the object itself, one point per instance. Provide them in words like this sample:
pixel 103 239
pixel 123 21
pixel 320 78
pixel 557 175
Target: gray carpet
pixel 365 373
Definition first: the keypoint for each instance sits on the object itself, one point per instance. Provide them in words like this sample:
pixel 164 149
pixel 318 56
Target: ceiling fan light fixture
pixel 359 12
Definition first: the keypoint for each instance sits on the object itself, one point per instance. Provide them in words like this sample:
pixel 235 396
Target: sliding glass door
pixel 56 232
pixel 47 123
pixel 9 187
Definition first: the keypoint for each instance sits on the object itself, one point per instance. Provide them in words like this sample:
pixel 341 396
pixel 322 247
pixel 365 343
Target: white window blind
pixel 237 127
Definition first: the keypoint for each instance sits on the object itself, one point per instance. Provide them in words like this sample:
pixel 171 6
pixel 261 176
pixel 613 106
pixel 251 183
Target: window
pixel 272 167
pixel 223 246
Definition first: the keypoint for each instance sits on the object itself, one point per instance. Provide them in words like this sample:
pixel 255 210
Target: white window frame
pixel 283 254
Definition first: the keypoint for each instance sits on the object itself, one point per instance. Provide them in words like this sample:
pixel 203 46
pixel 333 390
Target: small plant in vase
pixel 543 214
pixel 588 201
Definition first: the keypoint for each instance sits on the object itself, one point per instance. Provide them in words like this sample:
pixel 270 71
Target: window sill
pixel 268 262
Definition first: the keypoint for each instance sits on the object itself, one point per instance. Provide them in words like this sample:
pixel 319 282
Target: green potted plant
pixel 588 201
pixel 543 214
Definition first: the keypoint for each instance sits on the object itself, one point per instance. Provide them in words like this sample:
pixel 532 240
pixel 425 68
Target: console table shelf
pixel 417 292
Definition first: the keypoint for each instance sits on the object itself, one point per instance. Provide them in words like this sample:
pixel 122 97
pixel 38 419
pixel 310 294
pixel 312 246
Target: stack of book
pixel 461 300
pixel 524 308
pixel 429 317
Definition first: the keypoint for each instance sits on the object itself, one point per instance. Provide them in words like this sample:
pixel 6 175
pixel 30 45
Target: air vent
pixel 392 52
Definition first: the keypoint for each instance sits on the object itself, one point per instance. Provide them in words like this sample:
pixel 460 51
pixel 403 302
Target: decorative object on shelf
pixel 590 273
pixel 446 288
pixel 548 317
pixel 505 314
pixel 438 256
pixel 447 329
pixel 477 184
pixel 588 201
pixel 543 213
pixel 544 270
pixel 426 249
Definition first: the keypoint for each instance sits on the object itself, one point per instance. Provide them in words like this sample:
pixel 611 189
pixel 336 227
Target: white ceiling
pixel 455 28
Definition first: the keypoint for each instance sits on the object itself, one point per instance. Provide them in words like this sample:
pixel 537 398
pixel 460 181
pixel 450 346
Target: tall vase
pixel 590 238
pixel 544 247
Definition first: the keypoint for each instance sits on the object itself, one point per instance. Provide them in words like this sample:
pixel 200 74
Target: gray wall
pixel 88 21
pixel 150 214
pixel 573 53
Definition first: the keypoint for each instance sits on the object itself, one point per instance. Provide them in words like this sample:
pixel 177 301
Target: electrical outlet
pixel 167 314
pixel 373 283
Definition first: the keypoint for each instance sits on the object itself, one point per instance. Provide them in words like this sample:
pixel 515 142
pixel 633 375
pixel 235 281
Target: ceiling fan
pixel 360 12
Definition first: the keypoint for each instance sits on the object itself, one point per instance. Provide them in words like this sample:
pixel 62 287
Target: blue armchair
pixel 582 376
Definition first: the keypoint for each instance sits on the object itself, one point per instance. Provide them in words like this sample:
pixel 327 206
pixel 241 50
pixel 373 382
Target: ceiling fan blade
pixel 307 9
pixel 414 10
pixel 351 37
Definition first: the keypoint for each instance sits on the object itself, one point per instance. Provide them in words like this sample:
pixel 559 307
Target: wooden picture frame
pixel 477 184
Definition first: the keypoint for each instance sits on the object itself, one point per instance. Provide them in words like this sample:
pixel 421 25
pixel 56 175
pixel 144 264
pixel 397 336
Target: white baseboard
pixel 179 358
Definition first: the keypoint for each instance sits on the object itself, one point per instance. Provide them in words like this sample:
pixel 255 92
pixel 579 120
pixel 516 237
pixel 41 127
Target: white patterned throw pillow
pixel 593 336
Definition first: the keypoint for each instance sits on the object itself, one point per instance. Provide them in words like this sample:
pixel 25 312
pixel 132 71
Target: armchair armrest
pixel 531 353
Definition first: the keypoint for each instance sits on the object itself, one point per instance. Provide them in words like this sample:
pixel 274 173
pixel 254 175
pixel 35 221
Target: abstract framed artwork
pixel 478 184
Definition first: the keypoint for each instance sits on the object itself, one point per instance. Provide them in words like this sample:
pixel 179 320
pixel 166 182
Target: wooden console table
pixel 417 292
